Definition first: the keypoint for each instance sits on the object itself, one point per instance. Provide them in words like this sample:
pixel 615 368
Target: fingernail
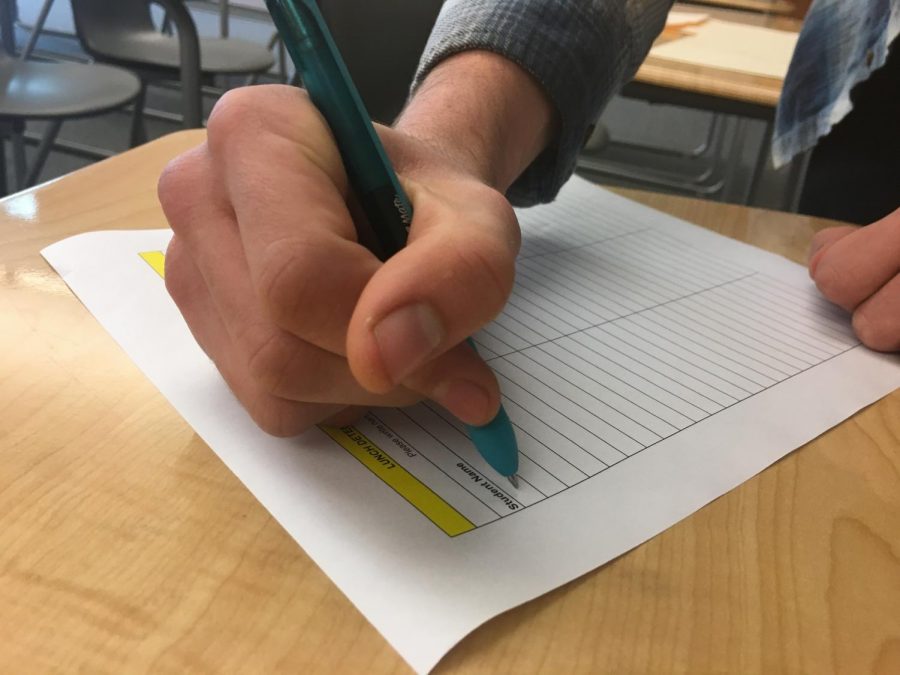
pixel 406 338
pixel 467 400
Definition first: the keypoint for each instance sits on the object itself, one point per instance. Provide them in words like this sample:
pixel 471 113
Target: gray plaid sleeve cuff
pixel 580 51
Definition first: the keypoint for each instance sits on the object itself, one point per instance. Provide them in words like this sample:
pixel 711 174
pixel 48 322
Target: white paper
pixel 732 46
pixel 649 366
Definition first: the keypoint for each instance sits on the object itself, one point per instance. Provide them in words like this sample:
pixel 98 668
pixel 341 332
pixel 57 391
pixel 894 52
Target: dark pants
pixel 854 171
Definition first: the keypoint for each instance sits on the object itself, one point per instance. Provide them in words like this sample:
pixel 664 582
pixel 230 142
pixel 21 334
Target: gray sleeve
pixel 580 51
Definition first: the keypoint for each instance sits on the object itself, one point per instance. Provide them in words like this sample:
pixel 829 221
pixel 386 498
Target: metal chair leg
pixel 4 188
pixel 38 28
pixel 762 159
pixel 281 61
pixel 19 162
pixel 735 152
pixel 224 23
pixel 138 134
pixel 43 152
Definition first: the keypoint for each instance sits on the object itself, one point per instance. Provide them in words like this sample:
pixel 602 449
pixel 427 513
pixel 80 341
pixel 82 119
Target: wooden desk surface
pixel 716 82
pixel 778 7
pixel 127 546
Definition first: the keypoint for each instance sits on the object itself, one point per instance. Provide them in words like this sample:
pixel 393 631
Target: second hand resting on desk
pixel 374 182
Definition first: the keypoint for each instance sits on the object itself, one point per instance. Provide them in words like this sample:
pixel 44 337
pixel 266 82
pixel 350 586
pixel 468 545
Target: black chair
pixel 381 42
pixel 50 91
pixel 122 33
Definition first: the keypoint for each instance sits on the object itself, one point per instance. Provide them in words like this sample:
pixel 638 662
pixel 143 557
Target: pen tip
pixel 514 479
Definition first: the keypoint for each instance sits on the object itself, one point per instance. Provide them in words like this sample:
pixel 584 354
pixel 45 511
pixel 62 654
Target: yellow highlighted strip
pixel 374 458
pixel 402 481
pixel 156 260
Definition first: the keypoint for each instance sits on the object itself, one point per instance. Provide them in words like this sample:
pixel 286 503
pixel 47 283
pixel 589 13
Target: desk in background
pixel 777 7
pixel 734 98
pixel 707 87
pixel 125 543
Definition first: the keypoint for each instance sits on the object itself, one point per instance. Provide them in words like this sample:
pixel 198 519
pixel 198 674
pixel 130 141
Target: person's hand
pixel 859 270
pixel 302 321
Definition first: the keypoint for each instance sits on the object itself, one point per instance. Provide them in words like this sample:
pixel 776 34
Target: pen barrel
pixel 379 193
pixel 384 205
pixel 326 79
pixel 496 443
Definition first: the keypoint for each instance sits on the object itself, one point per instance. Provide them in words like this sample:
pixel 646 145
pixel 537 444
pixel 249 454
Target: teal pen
pixel 386 206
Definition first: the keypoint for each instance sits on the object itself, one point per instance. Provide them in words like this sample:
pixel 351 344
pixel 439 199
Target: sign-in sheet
pixel 648 365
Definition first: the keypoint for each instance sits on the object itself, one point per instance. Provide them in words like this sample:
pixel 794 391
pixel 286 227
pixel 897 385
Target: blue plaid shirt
pixel 841 42
pixel 583 51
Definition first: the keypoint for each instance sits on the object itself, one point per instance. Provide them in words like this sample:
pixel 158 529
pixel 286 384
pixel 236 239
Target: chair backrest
pixel 100 23
pixel 381 42
pixel 115 31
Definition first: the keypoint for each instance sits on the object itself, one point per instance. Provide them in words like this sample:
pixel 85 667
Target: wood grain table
pixel 127 546
pixel 706 87
pixel 772 7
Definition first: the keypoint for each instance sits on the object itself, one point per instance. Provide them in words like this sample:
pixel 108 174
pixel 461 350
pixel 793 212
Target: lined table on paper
pixel 617 335
pixel 649 366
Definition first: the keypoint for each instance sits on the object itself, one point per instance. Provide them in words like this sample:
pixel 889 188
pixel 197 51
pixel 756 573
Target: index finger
pixel 287 186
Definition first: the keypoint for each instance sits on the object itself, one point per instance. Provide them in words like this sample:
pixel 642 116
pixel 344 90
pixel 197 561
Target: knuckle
pixel 169 183
pixel 286 284
pixel 269 356
pixel 186 288
pixel 178 186
pixel 251 113
pixel 176 277
pixel 831 281
pixel 236 112
pixel 278 418
pixel 273 123
pixel 349 415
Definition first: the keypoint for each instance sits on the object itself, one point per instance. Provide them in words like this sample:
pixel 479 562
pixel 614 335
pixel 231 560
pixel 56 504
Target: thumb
pixel 453 277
